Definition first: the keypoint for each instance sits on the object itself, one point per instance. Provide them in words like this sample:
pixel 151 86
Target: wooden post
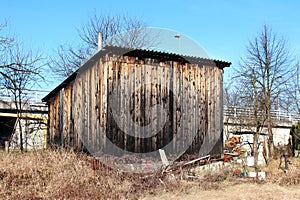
pixel 6 143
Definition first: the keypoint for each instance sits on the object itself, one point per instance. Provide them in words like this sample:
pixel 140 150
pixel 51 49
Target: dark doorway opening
pixel 6 129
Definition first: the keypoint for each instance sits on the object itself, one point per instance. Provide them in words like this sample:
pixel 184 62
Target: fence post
pixel 6 146
pixel 234 112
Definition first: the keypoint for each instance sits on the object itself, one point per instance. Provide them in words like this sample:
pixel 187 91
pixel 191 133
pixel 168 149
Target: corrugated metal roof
pixel 141 54
pixel 165 56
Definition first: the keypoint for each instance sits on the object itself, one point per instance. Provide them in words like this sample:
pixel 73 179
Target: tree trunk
pixel 20 131
pixel 255 151
pixel 270 133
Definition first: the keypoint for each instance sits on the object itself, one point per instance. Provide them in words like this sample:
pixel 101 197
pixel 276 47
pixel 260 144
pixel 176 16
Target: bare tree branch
pixel 265 71
pixel 5 41
pixel 293 89
pixel 117 30
pixel 20 68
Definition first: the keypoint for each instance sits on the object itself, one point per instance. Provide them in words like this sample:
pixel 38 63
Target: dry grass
pixel 277 175
pixel 243 191
pixel 67 175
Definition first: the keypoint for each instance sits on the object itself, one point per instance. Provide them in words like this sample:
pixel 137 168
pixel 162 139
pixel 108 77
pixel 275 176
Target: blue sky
pixel 222 28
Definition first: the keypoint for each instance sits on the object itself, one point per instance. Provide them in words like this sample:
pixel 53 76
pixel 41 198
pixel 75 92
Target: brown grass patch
pixel 64 174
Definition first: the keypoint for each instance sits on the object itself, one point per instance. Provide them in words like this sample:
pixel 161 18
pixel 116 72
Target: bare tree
pixel 21 69
pixel 68 59
pixel 293 90
pixel 232 100
pixel 245 103
pixel 5 42
pixel 264 71
pixel 117 30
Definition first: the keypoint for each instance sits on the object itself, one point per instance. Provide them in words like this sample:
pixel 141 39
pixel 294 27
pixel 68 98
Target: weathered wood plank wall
pixel 83 107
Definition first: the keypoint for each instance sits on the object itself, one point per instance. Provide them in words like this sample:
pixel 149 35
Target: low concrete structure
pixel 33 122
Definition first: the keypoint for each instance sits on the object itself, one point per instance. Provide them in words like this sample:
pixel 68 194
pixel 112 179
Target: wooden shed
pixel 135 81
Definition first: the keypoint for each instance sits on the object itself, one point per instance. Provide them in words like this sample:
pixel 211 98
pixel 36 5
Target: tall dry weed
pixel 62 174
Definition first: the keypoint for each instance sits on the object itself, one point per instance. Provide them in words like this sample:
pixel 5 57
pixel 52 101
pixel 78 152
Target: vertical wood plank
pixel 51 121
pixel 56 133
pixel 154 101
pixel 96 94
pixel 142 108
pixel 120 87
pixel 220 76
pixel 137 74
pixel 80 112
pixel 204 103
pixel 93 114
pixel 197 108
pixel 131 83
pixel 124 100
pixel 109 132
pixel 103 110
pixel 66 115
pixel 193 70
pixel 169 102
pixel 179 116
pixel 160 102
pixel 173 99
pixel 213 104
pixel 147 99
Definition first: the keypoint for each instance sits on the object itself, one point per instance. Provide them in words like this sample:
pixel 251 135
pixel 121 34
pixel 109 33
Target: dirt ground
pixel 236 192
pixel 278 185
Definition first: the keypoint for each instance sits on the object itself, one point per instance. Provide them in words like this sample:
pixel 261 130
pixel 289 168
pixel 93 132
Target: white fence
pixel 32 96
pixel 280 115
